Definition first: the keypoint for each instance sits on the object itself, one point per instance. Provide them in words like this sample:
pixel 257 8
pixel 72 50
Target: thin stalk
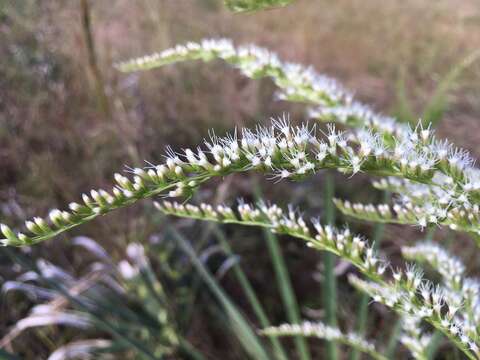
pixel 393 342
pixel 329 286
pixel 325 244
pixel 434 344
pixel 102 98
pixel 286 291
pixel 362 316
pixel 189 349
pixel 250 293
pixel 246 336
pixel 285 286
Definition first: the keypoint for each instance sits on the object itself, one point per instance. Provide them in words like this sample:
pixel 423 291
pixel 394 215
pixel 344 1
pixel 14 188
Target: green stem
pixel 393 342
pixel 250 293
pixel 362 316
pixel 189 349
pixel 248 338
pixel 285 285
pixel 286 290
pixel 329 289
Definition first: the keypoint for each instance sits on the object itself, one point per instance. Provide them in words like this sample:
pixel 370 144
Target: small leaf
pixel 254 5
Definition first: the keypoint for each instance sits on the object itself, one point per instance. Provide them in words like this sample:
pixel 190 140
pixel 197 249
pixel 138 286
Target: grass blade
pixel 285 286
pixel 393 342
pixel 362 315
pixel 329 288
pixel 286 291
pixel 250 294
pixel 242 329
pixel 438 103
pixel 434 345
pixel 105 325
pixel 254 5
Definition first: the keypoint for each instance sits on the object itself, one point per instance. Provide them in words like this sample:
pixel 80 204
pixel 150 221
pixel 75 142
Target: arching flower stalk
pixel 406 291
pixel 283 150
pixel 456 218
pixel 418 204
pixel 413 154
pixel 325 332
pixel 459 289
pixel 332 103
pixel 296 82
pixel 437 183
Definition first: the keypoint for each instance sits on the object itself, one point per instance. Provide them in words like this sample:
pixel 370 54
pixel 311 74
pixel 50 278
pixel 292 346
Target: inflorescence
pixel 405 291
pixel 435 183
pixel 325 332
pixel 453 202
pixel 283 150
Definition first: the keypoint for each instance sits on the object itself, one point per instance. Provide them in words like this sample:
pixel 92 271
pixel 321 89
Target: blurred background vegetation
pixel 68 120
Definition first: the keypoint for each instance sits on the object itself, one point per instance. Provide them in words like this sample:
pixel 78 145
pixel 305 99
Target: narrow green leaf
pixel 329 289
pixel 246 336
pixel 362 316
pixel 438 103
pixel 254 5
pixel 284 284
pixel 250 293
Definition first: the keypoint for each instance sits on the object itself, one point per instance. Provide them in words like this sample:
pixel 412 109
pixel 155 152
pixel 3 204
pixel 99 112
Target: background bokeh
pixel 66 126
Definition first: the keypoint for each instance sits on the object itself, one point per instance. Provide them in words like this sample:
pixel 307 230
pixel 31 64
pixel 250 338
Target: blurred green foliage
pixel 254 5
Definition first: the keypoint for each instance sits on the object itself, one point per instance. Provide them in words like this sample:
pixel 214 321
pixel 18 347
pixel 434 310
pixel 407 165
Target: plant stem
pixel 102 98
pixel 329 289
pixel 250 294
pixel 285 285
pixel 393 342
pixel 239 324
pixel 362 316
pixel 286 291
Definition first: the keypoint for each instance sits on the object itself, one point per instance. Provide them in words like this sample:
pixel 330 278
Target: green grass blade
pixel 8 356
pixel 250 294
pixel 434 345
pixel 105 325
pixel 254 5
pixel 403 108
pixel 285 286
pixel 246 336
pixel 189 349
pixel 329 286
pixel 286 291
pixel 393 341
pixel 362 315
pixel 437 105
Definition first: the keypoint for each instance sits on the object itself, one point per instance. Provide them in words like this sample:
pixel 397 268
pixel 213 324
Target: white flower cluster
pixel 459 289
pixel 406 292
pixel 357 115
pixel 448 266
pixel 412 296
pixel 284 150
pixel 296 82
pixel 414 338
pixel 299 83
pixel 325 332
pixel 420 204
pixel 340 242
pixel 417 150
